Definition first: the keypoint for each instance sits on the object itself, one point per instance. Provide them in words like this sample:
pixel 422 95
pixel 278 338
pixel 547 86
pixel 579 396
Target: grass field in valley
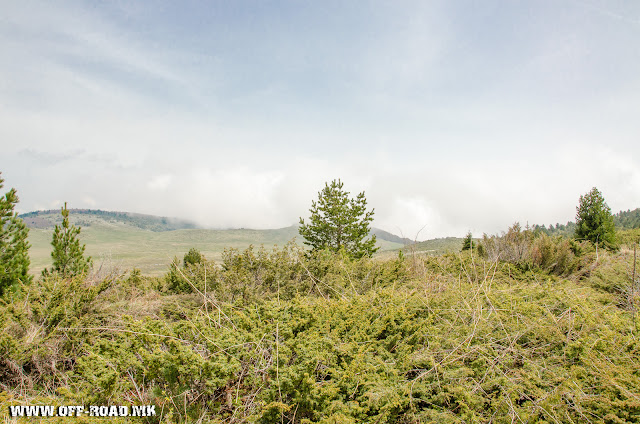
pixel 126 247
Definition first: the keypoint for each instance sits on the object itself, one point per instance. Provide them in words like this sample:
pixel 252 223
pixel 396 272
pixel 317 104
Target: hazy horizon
pixel 451 115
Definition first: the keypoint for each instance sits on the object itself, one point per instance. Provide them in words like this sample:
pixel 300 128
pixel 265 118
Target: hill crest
pixel 47 219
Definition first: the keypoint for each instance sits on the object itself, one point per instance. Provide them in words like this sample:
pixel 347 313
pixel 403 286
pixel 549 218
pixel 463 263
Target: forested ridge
pixel 48 218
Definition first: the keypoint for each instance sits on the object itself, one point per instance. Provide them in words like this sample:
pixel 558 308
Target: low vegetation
pixel 280 336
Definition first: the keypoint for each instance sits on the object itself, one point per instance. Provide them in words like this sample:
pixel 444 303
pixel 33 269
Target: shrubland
pixel 524 327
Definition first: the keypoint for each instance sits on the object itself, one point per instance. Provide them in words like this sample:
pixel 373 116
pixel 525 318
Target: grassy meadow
pixel 126 247
pixel 126 241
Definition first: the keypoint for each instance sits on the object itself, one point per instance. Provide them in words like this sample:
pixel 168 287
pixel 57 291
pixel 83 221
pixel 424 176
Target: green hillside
pixel 437 246
pixel 124 240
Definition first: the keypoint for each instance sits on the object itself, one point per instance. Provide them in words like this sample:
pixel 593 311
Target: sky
pixel 451 116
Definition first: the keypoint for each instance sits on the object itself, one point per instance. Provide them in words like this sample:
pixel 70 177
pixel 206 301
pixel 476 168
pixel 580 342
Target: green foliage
pixel 565 230
pixel 627 219
pixel 34 351
pixel 192 257
pixel 594 221
pixel 194 275
pixel 14 247
pixel 468 243
pixel 68 254
pixel 325 338
pixel 628 237
pixel 252 275
pixel 339 222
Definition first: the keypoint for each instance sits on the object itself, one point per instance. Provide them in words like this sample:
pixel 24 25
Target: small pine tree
pixel 594 221
pixel 68 255
pixel 192 257
pixel 468 243
pixel 339 223
pixel 14 247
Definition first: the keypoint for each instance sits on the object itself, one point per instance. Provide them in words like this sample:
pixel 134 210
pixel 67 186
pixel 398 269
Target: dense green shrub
pixel 628 238
pixel 192 277
pixel 254 275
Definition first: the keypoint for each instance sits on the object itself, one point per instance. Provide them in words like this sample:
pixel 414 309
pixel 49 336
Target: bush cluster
pixel 250 275
pixel 535 249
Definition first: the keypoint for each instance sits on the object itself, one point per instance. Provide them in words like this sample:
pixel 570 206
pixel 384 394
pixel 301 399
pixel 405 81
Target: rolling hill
pixel 127 240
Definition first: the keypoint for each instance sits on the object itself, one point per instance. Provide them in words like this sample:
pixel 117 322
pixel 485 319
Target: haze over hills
pixel 87 217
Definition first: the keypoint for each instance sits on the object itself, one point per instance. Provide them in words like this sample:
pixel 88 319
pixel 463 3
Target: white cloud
pixel 89 201
pixel 160 182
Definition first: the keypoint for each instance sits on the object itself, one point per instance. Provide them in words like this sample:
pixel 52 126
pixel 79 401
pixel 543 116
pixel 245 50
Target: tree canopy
pixel 14 247
pixel 594 221
pixel 338 222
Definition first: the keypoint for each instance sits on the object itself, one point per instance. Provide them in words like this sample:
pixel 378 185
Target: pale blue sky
pixel 457 115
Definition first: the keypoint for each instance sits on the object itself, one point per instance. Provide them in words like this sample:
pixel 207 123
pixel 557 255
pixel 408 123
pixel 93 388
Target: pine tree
pixel 68 255
pixel 192 257
pixel 594 221
pixel 338 222
pixel 467 242
pixel 14 247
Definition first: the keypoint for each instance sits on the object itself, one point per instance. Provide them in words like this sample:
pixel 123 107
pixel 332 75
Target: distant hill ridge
pixel 87 217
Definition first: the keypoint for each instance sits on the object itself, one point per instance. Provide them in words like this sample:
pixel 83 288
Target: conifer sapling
pixel 14 247
pixel 68 254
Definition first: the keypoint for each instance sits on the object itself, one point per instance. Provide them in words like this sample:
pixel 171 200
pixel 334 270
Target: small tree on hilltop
pixel 338 222
pixel 14 247
pixel 68 255
pixel 594 221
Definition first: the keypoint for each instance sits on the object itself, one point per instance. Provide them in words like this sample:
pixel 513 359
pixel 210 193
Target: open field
pixel 149 243
pixel 126 247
